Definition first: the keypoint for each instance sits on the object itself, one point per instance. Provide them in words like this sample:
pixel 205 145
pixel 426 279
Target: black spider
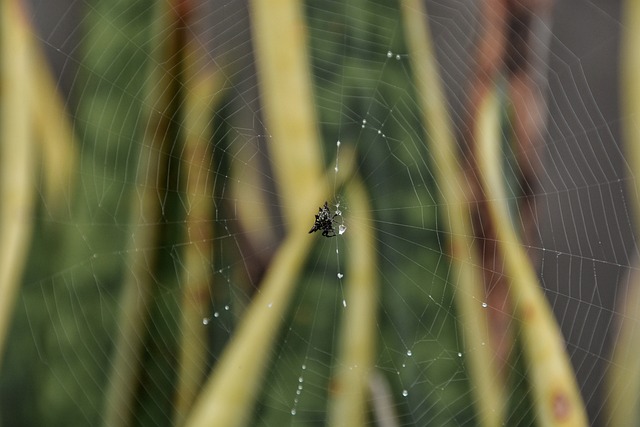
pixel 324 222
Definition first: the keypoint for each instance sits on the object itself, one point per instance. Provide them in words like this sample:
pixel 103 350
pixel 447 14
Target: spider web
pixel 60 351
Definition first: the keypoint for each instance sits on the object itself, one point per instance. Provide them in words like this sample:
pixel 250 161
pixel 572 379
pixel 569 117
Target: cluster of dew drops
pixel 390 55
pixel 216 314
pixel 296 400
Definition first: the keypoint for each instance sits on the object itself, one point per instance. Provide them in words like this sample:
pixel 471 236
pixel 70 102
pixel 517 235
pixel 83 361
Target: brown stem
pixel 507 48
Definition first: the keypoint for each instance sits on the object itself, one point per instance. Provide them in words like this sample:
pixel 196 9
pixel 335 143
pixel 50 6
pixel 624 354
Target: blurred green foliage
pixel 57 362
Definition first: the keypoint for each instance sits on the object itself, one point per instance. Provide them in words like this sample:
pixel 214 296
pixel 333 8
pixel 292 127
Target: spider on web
pixel 324 221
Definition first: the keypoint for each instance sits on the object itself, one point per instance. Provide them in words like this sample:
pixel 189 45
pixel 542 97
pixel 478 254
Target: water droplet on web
pixel 342 228
pixel 340 275
pixel 300 379
pixel 409 353
pixel 364 122
pixel 379 132
pixel 216 314
pixel 398 57
pixel 338 143
pixel 459 354
pixel 484 305
pixel 344 303
pixel 389 54
pixel 270 305
pixel 226 307
pixel 336 169
pixel 205 321
pixel 405 393
pixel 293 411
pixel 304 367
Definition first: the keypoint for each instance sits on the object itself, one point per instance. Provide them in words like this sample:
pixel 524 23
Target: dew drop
pixel 205 321
pixel 484 305
pixel 389 54
pixel 364 121
pixel 459 354
pixel 270 305
pixel 300 379
pixel 379 132
pixel 405 393
pixel 409 353
pixel 340 275
pixel 304 367
pixel 293 411
pixel 335 169
pixel 338 143
pixel 344 303
pixel 342 228
pixel 398 57
pixel 226 307
pixel 216 314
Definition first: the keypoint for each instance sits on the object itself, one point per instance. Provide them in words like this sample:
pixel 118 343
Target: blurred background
pixel 66 321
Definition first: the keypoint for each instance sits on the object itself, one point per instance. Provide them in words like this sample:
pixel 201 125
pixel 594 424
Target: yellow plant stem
pixel 202 92
pixel 623 375
pixel 556 395
pixel 348 404
pixel 229 394
pixel 485 381
pixel 285 88
pixel 17 182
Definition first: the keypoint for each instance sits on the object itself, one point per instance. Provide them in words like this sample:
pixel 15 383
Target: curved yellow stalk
pixel 17 183
pixel 485 381
pixel 229 394
pixel 348 404
pixel 557 399
pixel 279 35
pixel 202 92
pixel 623 375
